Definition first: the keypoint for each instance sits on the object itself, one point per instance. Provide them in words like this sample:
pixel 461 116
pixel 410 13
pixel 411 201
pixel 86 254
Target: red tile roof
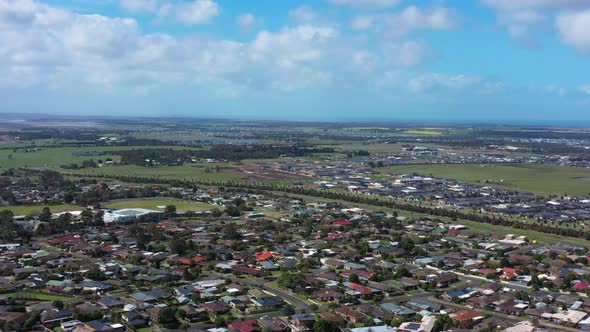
pixel 250 325
pixel 581 285
pixel 465 315
pixel 263 256
pixel 342 222
pixel 64 239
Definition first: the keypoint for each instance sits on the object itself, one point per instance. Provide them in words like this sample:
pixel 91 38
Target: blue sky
pixel 430 60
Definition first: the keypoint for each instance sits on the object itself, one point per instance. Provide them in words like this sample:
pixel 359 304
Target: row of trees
pixel 370 200
pixel 218 152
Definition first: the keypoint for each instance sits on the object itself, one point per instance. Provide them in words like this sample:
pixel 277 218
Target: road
pixel 300 305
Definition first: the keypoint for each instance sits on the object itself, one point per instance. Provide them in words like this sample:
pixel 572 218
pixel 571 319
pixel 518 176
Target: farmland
pixel 52 157
pixel 539 179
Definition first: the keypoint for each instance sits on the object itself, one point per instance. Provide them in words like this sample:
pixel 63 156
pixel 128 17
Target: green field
pixel 185 172
pixel 539 179
pixel 37 296
pixel 23 210
pixel 52 157
pixel 153 204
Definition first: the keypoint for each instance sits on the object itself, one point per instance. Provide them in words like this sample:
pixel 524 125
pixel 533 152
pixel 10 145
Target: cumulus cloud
pixel 136 6
pixel 436 81
pixel 47 45
pixel 414 18
pixel 574 29
pixel 555 89
pixel 62 49
pixel 193 12
pixel 367 3
pixel 406 54
pixel 363 22
pixel 246 21
pixel 516 4
pixel 521 18
pixel 303 14
pixel 185 12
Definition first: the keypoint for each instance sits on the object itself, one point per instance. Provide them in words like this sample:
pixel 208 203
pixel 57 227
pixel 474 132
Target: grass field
pixel 154 204
pixel 50 157
pixel 539 179
pixel 37 296
pixel 23 210
pixel 185 172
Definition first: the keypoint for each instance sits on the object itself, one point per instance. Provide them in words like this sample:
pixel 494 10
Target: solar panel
pixel 414 326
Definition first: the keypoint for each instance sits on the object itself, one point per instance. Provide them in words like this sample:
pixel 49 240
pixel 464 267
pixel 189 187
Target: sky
pixel 502 61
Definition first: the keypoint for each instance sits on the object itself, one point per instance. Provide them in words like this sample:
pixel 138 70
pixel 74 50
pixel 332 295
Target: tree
pixel 45 215
pixel 94 273
pixel 216 213
pixel 230 232
pixel 219 321
pixel 233 211
pixel 354 278
pixel 289 310
pixel 504 262
pixel 168 319
pixel 401 272
pixel 178 246
pixel 99 218
pixel 170 210
pixel 87 217
pixel 323 325
pixel 59 305
pixel 443 323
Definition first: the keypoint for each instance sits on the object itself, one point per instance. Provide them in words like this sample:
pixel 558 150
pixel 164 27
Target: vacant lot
pixel 159 204
pixel 185 172
pixel 255 172
pixel 539 179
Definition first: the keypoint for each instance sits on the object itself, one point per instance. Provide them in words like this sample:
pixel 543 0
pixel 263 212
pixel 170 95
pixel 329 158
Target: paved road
pixel 512 319
pixel 555 327
pixel 299 304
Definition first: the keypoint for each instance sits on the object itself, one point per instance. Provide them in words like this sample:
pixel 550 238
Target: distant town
pixel 214 225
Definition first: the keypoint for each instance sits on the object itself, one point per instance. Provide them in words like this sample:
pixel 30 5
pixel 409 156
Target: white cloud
pixel 186 12
pixel 523 18
pixel 519 23
pixel 364 62
pixel 574 29
pixel 58 48
pixel 406 54
pixel 585 89
pixel 517 4
pixel 246 21
pixel 556 90
pixel 367 3
pixel 136 6
pixel 303 14
pixel 64 49
pixel 362 22
pixel 193 12
pixel 435 81
pixel 413 18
